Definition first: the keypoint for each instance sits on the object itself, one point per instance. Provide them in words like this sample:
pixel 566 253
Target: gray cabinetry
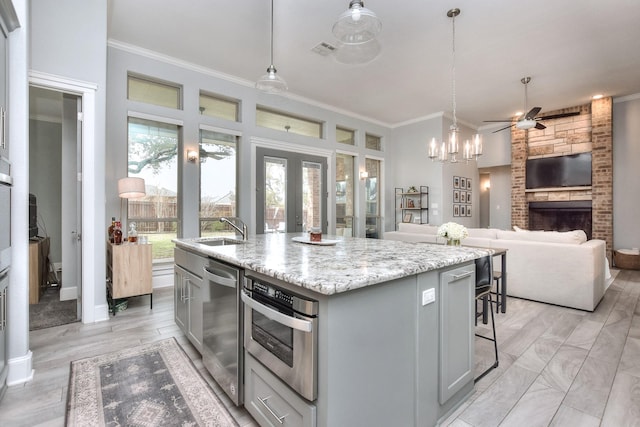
pixel 456 341
pixel 4 282
pixel 188 294
pixel 271 402
pixel 8 23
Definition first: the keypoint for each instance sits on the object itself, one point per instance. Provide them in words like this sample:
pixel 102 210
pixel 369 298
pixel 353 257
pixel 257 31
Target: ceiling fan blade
pixel 506 127
pixel 559 116
pixel 540 126
pixel 532 113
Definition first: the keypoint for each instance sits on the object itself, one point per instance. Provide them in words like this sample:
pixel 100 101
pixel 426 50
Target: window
pixel 373 142
pixel 345 136
pixel 154 92
pixel 288 123
pixel 219 107
pixel 372 196
pixel 344 194
pixel 218 153
pixel 153 157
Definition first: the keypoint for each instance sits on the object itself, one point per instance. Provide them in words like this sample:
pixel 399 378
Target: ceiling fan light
pixel 357 24
pixel 526 124
pixel 271 82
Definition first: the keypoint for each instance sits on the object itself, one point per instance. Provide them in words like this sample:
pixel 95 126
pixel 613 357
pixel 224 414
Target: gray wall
pixel 45 180
pixel 626 172
pixel 57 48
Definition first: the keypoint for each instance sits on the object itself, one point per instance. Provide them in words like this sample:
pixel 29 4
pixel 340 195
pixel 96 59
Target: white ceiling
pixel 572 49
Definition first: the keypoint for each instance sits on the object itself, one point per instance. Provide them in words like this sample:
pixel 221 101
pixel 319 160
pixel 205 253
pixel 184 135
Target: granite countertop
pixel 349 264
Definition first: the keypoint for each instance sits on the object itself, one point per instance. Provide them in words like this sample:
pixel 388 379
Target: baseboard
pixel 20 369
pixel 68 292
pixel 101 313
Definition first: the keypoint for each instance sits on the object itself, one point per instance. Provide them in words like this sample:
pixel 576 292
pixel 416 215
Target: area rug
pixel 150 385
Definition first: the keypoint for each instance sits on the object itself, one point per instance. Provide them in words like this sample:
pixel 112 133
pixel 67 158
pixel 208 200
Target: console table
pixel 129 271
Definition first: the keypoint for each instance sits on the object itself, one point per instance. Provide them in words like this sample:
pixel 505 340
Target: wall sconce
pixel 192 156
pixel 364 174
pixel 487 185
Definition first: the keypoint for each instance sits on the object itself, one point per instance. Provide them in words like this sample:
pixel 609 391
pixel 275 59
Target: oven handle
pixel 291 322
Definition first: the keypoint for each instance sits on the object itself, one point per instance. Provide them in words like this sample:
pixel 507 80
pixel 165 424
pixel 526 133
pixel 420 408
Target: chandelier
pixel 449 150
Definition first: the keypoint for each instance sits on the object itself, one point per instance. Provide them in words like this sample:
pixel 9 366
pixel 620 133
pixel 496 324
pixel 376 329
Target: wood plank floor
pixel 558 366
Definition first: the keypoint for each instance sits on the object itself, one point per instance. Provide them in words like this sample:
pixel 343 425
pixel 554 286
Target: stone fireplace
pixel 590 131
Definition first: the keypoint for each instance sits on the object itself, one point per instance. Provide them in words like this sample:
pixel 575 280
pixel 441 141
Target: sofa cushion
pixel 487 233
pixel 407 227
pixel 573 237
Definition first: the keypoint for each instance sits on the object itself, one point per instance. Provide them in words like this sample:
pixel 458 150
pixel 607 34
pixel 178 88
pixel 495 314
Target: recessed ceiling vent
pixel 324 49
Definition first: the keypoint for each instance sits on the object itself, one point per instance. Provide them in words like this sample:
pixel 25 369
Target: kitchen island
pixel 394 328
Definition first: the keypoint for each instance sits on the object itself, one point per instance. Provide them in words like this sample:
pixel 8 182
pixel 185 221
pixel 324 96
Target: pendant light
pixel 449 151
pixel 271 82
pixel 357 24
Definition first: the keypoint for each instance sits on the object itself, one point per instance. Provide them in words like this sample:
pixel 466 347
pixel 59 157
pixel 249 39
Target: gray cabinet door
pixel 457 313
pixel 180 308
pixel 194 285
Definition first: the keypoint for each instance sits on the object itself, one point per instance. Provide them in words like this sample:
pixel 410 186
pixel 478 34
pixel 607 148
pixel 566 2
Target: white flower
pixel 451 230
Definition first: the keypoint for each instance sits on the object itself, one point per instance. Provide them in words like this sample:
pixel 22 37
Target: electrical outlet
pixel 428 296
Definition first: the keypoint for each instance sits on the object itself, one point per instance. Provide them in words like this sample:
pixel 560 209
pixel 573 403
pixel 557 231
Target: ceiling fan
pixel 529 120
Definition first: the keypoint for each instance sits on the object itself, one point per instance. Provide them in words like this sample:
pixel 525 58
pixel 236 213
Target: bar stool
pixel 497 277
pixel 484 272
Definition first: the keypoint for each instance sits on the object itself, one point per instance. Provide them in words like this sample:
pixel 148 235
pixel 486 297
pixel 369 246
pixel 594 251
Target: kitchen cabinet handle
pixel 291 322
pixel 264 403
pixel 229 282
pixel 457 277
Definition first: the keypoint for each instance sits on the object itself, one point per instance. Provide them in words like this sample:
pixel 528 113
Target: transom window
pixel 219 107
pixel 288 123
pixel 345 136
pixel 156 92
pixel 373 142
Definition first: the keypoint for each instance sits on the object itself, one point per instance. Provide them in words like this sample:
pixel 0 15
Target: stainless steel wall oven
pixel 281 332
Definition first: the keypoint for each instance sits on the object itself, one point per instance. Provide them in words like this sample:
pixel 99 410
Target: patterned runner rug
pixel 150 385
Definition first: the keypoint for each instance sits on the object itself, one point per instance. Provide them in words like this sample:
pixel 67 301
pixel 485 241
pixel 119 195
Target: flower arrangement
pixel 453 232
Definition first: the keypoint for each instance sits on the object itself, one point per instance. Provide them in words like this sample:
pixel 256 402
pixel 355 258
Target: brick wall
pixel 590 131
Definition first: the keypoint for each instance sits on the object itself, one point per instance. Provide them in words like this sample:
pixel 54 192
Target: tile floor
pixel 558 366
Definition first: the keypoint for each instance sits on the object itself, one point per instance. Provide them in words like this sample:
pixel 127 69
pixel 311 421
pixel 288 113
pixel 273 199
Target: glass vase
pixel 453 242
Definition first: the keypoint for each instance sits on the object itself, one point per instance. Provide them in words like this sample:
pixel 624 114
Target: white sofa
pixel 562 268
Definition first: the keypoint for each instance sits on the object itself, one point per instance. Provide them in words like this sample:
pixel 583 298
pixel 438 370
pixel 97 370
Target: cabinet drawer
pixel 271 402
pixel 190 261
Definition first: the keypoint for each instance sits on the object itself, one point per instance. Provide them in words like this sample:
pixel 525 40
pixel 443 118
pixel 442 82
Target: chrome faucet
pixel 243 231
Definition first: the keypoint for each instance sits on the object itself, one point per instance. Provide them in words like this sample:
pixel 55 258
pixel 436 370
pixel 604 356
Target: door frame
pixel 87 93
pixel 296 148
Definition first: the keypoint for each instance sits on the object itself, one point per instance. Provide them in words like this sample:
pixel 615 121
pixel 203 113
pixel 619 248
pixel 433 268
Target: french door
pixel 291 191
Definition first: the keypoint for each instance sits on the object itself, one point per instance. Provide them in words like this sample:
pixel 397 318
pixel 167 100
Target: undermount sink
pixel 219 241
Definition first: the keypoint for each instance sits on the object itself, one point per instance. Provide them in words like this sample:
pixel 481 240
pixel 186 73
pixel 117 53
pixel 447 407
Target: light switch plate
pixel 428 296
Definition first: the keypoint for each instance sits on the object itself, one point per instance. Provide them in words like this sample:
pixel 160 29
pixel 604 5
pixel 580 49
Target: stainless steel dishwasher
pixel 222 327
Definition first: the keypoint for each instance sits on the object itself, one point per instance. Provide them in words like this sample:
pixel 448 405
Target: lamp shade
pixel 131 187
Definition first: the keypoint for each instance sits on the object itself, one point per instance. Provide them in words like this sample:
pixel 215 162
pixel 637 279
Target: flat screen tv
pixel 562 171
pixel 33 217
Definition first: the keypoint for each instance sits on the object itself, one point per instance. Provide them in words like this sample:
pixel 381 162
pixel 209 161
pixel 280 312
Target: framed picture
pixel 468 210
pixel 463 183
pixel 456 196
pixel 468 183
pixel 456 210
pixel 456 182
pixel 463 210
pixel 407 217
pixel 468 196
